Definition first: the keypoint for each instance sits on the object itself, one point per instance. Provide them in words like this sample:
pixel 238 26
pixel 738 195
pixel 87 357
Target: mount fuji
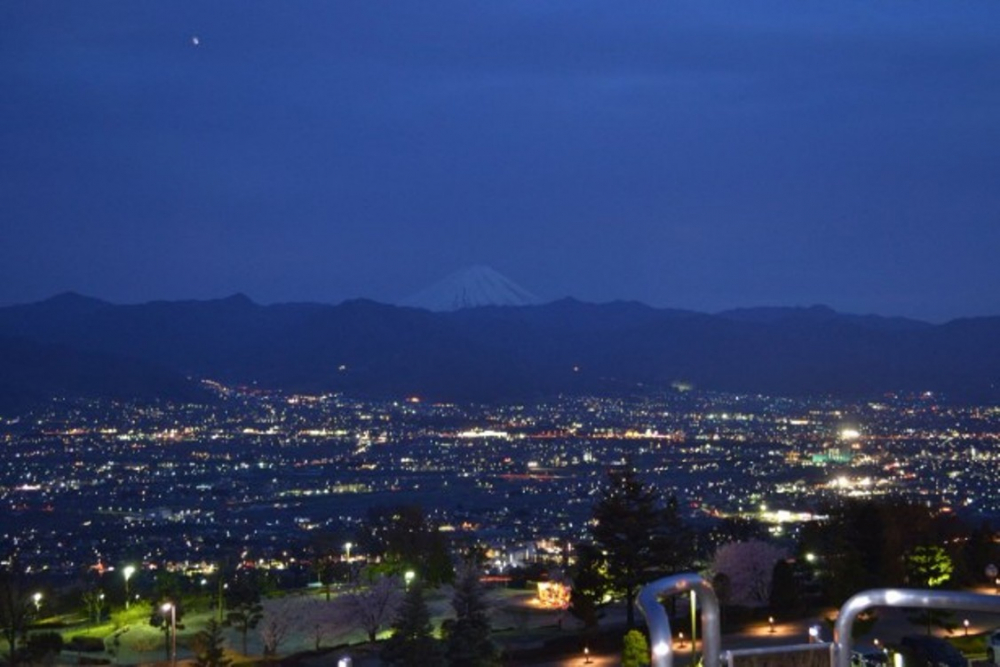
pixel 472 287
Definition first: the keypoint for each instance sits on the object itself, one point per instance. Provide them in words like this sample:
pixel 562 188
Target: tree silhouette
pixel 641 535
pixel 406 540
pixel 785 594
pixel 412 642
pixel 468 635
pixel 930 567
pixel 590 585
pixel 244 610
pixel 16 609
pixel 211 643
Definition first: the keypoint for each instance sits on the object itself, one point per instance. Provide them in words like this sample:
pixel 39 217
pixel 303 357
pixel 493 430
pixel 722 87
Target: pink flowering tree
pixel 748 567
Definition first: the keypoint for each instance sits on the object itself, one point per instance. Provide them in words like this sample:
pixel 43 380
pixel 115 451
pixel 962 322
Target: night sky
pixel 698 154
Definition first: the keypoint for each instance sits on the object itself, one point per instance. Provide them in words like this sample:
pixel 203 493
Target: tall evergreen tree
pixel 16 610
pixel 468 636
pixel 785 595
pixel 641 536
pixel 589 585
pixel 412 642
pixel 211 652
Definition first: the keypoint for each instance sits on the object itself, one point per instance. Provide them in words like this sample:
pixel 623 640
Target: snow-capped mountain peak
pixel 470 288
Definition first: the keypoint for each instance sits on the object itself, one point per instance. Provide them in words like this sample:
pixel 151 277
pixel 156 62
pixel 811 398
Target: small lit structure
pixel 553 595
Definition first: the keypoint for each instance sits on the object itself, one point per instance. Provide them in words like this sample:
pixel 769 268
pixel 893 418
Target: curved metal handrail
pixel 900 597
pixel 660 636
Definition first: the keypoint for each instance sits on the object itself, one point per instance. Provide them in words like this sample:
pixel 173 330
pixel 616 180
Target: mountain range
pixel 71 345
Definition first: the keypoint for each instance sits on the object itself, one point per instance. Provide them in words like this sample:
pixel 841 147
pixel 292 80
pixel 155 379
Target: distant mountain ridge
pixel 77 346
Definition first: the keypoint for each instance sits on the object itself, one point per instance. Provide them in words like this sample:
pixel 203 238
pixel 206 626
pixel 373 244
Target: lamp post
pixel 169 606
pixel 127 572
pixel 770 624
pixel 694 628
pixel 586 655
pixel 347 548
pixel 37 599
pixel 966 624
pixel 409 577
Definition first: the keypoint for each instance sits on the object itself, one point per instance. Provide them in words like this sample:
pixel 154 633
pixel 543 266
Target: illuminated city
pixel 499 334
pixel 260 471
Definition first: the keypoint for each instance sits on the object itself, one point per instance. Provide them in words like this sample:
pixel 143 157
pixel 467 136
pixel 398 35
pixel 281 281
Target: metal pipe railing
pixel 901 597
pixel 729 657
pixel 660 635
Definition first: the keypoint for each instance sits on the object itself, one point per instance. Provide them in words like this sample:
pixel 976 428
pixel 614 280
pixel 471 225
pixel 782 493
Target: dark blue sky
pixel 693 154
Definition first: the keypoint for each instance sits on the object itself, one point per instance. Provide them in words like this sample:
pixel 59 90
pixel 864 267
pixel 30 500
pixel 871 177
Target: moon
pixel 195 40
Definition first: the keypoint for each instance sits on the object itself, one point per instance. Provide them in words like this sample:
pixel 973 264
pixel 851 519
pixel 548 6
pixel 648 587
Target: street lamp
pixel 169 606
pixel 966 624
pixel 128 572
pixel 770 623
pixel 586 655
pixel 408 577
pixel 37 599
pixel 813 634
pixel 347 548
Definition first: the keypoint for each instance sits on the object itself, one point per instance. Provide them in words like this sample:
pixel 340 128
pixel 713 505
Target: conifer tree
pixel 212 652
pixel 468 636
pixel 641 536
pixel 412 642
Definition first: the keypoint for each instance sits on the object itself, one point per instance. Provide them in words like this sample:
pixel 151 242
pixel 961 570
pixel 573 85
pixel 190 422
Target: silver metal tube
pixel 901 597
pixel 660 636
pixel 775 650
